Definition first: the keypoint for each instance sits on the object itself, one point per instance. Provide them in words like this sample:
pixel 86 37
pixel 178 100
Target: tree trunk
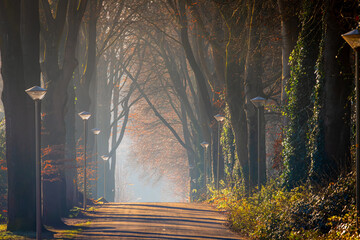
pixel 54 183
pixel 104 119
pixel 300 90
pixel 111 176
pixel 235 101
pixel 253 88
pixel 59 79
pixel 200 78
pixel 86 86
pixel 19 26
pixel 289 34
pixel 330 146
pixel 70 150
pixel 337 91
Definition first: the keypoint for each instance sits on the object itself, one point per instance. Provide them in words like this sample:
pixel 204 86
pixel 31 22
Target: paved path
pixel 157 221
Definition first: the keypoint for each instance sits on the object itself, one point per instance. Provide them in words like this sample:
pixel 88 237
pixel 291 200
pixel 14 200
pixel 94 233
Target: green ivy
pixel 231 162
pixel 299 90
pixel 316 146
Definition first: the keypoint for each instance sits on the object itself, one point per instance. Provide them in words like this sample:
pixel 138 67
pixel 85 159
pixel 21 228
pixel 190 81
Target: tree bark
pixel 104 117
pixel 253 88
pixel 289 34
pixel 58 78
pixel 200 78
pixel 86 84
pixel 111 176
pixel 337 89
pixel 19 26
pixel 70 149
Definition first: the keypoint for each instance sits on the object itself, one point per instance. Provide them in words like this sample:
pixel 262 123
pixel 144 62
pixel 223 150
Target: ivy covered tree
pixel 317 142
pixel 299 89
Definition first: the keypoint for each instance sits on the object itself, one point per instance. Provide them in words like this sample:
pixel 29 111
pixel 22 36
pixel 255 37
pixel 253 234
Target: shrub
pixel 302 213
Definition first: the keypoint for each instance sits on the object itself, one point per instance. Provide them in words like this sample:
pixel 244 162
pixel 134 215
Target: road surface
pixel 157 221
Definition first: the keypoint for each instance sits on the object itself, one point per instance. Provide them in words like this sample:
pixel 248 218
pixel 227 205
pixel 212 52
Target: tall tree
pixel 58 75
pixel 299 89
pixel 19 31
pixel 329 145
pixel 289 33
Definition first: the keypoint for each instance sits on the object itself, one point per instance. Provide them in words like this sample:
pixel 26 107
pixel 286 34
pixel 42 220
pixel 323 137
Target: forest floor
pixel 153 221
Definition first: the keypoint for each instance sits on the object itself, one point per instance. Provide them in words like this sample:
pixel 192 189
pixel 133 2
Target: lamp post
pixel 205 145
pixel 353 39
pixel 37 94
pixel 259 103
pixel 85 116
pixel 105 158
pixel 96 132
pixel 219 118
pixel 191 167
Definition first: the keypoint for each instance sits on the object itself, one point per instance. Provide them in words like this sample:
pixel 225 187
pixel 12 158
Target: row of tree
pixel 164 69
pixel 210 57
pixel 55 44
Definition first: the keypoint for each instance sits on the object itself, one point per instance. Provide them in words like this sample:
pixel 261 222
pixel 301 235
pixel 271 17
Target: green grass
pixel 74 212
pixel 77 212
pixel 65 233
pixel 6 235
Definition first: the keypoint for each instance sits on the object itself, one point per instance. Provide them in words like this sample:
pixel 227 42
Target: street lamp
pixel 205 145
pixel 85 116
pixel 105 158
pixel 96 132
pixel 259 103
pixel 219 118
pixel 37 94
pixel 353 39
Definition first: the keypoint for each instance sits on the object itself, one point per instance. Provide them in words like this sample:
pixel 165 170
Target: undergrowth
pixel 300 214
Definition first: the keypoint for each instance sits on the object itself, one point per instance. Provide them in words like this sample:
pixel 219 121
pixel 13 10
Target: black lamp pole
pixel 219 118
pixel 85 116
pixel 353 39
pixel 85 142
pixel 38 167
pixel 205 145
pixel 96 132
pixel 105 158
pixel 259 103
pixel 105 179
pixel 259 148
pixel 96 166
pixel 37 94
pixel 357 136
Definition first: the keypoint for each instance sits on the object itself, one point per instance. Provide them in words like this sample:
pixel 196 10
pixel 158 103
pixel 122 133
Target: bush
pixel 302 213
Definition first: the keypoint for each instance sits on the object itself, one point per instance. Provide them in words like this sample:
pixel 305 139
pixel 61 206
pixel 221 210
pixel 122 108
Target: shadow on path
pixel 156 221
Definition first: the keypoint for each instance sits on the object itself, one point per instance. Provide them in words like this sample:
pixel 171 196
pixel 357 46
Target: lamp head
pixel 258 101
pixel 105 157
pixel 96 131
pixel 352 38
pixel 204 144
pixel 219 117
pixel 36 93
pixel 85 115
